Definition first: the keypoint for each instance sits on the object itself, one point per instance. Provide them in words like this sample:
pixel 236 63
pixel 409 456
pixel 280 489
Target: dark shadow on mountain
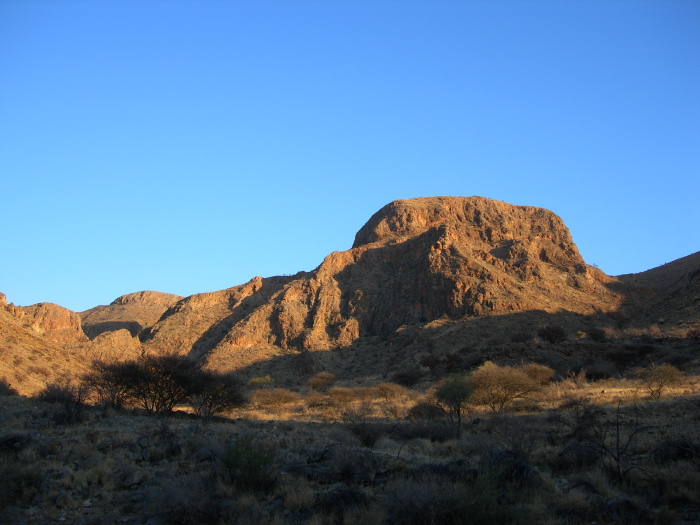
pixel 460 346
pixel 216 333
pixel 93 330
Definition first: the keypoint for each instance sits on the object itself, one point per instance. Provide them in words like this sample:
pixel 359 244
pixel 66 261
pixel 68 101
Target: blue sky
pixel 186 147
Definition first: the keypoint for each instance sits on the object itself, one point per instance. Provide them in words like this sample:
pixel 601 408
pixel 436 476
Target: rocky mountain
pixel 36 345
pixel 55 323
pixel 133 312
pixel 414 262
pixel 439 275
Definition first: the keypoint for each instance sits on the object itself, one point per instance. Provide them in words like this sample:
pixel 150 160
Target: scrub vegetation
pixel 162 440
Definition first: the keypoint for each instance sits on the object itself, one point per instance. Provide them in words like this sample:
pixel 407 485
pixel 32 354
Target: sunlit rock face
pixel 414 261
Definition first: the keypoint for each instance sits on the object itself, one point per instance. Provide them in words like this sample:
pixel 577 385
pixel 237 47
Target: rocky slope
pixel 669 295
pixel 30 356
pixel 415 261
pixel 133 312
pixel 430 275
pixel 51 321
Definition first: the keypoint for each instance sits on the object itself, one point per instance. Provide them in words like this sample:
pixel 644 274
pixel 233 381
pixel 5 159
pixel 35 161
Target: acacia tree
pixel 161 382
pixel 113 382
pixel 657 378
pixel 453 394
pixel 497 386
pixel 211 393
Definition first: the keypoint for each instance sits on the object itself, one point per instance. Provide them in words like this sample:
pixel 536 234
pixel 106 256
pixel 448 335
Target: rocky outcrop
pixel 30 358
pixel 413 262
pixel 53 322
pixel 148 298
pixel 133 312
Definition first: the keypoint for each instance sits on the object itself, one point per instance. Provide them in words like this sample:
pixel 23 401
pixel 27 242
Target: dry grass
pixel 546 460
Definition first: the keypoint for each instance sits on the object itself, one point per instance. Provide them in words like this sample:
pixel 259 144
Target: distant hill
pixel 133 312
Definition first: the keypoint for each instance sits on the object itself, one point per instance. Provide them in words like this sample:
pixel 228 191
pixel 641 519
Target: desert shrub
pixel 250 463
pixel 390 391
pixel 513 467
pixel 160 382
pixel 18 483
pixel 342 395
pixel 693 333
pixel 454 362
pixel 317 400
pixel 321 381
pixel 521 337
pixel 497 386
pixel 540 374
pixel 678 360
pixel 260 382
pixel 552 333
pixel 434 430
pixel 71 399
pixel 6 389
pixel 186 500
pixel 409 377
pixel 430 361
pixel 580 417
pixel 657 378
pixel 14 443
pixel 597 334
pixel 598 371
pixel 434 501
pixel 274 399
pixel 112 382
pixel 211 393
pixel 364 428
pixel 622 358
pixel 452 394
pixel 425 410
pixel 675 449
pixel 643 350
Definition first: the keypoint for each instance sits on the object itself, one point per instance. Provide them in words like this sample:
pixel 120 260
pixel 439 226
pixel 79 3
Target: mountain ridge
pixel 441 270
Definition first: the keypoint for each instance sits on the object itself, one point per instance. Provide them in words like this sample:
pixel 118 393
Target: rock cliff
pixel 414 261
pixel 53 322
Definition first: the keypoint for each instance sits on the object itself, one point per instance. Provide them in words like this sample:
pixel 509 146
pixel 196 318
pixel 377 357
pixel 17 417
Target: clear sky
pixel 187 147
